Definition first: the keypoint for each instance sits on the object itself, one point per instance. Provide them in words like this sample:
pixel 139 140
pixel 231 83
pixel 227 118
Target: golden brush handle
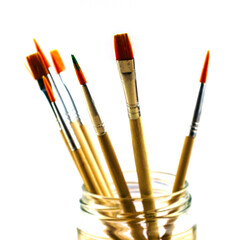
pixel 120 183
pixel 183 163
pixel 85 172
pixel 143 172
pixel 141 161
pixel 82 167
pixel 65 141
pixel 95 155
pixel 179 180
pixel 113 165
pixel 90 159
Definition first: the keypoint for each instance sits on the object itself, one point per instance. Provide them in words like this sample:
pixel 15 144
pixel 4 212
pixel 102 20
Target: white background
pixel 39 185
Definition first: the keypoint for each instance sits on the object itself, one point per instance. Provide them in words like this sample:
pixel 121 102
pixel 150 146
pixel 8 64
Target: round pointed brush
pixel 109 153
pixel 188 144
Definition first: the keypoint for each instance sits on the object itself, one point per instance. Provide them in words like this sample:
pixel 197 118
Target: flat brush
pixel 126 67
pixel 81 132
pixel 73 146
pixel 188 143
pixel 38 70
pixel 108 152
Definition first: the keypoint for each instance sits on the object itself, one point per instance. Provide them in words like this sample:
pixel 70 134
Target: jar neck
pixel 167 204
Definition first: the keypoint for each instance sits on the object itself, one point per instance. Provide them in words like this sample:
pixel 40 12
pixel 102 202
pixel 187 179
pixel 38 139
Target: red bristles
pixel 41 53
pixel 203 77
pixel 78 70
pixel 37 66
pixel 123 47
pixel 57 61
pixel 49 89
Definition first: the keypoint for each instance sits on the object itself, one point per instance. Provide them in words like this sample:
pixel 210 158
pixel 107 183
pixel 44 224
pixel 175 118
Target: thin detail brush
pixel 81 132
pixel 188 144
pixel 126 67
pixel 108 152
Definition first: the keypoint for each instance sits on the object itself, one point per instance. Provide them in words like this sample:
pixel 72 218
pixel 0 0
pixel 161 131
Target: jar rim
pixel 158 197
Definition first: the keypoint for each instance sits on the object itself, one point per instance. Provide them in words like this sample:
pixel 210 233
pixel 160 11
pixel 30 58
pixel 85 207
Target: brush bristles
pixel 123 47
pixel 39 50
pixel 203 77
pixel 57 61
pixel 49 89
pixel 79 73
pixel 37 66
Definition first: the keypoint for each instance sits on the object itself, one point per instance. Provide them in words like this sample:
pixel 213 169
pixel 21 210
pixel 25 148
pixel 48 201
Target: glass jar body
pixel 103 217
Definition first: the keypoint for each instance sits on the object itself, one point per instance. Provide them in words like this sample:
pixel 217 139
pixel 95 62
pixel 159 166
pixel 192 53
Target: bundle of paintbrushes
pixel 80 145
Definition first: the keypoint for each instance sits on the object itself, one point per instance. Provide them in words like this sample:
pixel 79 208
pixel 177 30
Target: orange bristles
pixel 78 70
pixel 41 53
pixel 57 61
pixel 37 66
pixel 49 89
pixel 203 77
pixel 123 47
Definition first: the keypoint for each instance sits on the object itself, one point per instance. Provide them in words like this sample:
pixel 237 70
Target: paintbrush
pixel 38 71
pixel 82 134
pixel 108 152
pixel 188 143
pixel 51 78
pixel 126 67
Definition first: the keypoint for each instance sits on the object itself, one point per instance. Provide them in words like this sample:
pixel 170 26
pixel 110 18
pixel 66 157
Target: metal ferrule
pixel 59 95
pixel 197 111
pixel 68 132
pixel 73 105
pixel 127 73
pixel 93 113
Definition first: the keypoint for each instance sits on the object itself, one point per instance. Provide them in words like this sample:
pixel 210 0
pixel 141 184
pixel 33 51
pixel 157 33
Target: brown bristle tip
pixel 37 66
pixel 123 47
pixel 203 77
pixel 57 61
pixel 49 89
pixel 39 50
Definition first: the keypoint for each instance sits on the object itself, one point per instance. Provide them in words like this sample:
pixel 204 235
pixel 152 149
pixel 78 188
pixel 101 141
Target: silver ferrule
pixel 93 113
pixel 68 132
pixel 127 73
pixel 59 94
pixel 197 111
pixel 73 105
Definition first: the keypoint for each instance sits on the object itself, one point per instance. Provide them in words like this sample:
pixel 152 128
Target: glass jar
pixel 103 217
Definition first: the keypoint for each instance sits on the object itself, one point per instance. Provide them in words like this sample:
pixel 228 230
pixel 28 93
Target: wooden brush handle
pixel 179 180
pixel 85 172
pixel 144 176
pixel 95 155
pixel 113 165
pixel 120 183
pixel 65 141
pixel 91 160
pixel 183 163
pixel 141 160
